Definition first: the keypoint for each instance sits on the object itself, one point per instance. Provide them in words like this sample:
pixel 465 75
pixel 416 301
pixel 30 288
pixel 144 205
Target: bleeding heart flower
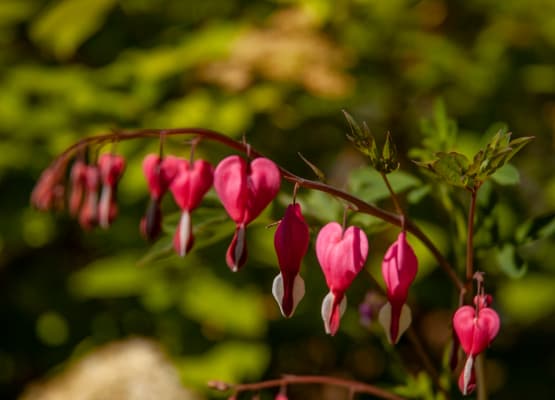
pixel 77 178
pixel 475 332
pixel 245 190
pixel 49 191
pixel 476 327
pixel 88 216
pixel 111 168
pixel 188 188
pixel 291 244
pixel 159 173
pixel 341 255
pixel 399 268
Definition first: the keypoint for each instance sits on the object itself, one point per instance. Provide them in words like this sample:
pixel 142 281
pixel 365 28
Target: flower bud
pixel 291 244
pixel 77 178
pixel 88 216
pixel 399 269
pixel 111 168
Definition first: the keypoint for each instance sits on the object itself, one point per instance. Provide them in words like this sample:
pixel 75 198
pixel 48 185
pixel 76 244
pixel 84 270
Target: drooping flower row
pixel 245 189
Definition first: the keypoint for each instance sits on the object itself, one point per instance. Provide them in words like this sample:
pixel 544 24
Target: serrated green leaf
pixel 451 168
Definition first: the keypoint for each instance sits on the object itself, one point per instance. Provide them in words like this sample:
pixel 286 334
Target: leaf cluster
pixel 384 161
pixel 456 169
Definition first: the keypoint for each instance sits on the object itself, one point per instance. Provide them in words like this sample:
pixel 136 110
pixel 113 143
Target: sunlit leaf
pixel 230 362
pixel 68 23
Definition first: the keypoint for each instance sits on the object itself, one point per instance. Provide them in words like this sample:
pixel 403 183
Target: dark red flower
pixel 291 244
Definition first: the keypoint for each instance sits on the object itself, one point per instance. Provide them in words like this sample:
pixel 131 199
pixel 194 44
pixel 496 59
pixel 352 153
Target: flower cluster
pixel 92 193
pixel 245 188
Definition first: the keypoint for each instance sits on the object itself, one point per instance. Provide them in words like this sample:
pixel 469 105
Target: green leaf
pixel 230 362
pixel 529 299
pixel 507 175
pixel 368 184
pixel 389 161
pixel 450 168
pixel 117 276
pixel 539 227
pixel 67 24
pixel 361 138
pixel 510 263
pixel 216 303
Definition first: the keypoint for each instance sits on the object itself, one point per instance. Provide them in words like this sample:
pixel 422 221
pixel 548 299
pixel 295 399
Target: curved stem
pixel 356 203
pixel 350 385
pixel 393 195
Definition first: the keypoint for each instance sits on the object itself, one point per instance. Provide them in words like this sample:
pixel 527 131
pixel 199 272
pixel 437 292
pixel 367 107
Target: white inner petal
pixel 184 232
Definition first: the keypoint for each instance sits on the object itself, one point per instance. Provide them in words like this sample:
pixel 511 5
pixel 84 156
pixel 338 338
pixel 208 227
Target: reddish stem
pixel 350 385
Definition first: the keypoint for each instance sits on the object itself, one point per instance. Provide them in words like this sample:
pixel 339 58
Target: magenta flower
pixel 476 327
pixel 88 216
pixel 77 178
pixel 111 168
pixel 188 188
pixel 159 173
pixel 291 244
pixel 341 254
pixel 245 189
pixel 399 268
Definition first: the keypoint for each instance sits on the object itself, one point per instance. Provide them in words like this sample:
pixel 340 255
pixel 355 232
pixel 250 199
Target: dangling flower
pixel 399 269
pixel 291 244
pixel 159 173
pixel 49 191
pixel 111 168
pixel 88 216
pixel 341 254
pixel 188 188
pixel 245 189
pixel 77 178
pixel 476 327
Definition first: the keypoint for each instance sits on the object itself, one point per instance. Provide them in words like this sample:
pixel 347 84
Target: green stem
pixel 394 197
pixel 481 377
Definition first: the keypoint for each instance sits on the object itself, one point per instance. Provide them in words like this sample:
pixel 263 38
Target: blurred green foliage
pixel 278 72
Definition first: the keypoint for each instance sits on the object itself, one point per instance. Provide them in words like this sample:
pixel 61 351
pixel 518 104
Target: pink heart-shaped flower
pixel 188 188
pixel 341 255
pixel 475 333
pixel 159 173
pixel 399 267
pixel 191 183
pixel 245 189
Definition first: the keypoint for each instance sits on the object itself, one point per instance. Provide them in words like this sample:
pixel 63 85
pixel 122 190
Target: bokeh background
pixel 278 72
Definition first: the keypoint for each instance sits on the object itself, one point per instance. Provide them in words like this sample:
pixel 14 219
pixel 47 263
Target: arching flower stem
pixel 355 203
